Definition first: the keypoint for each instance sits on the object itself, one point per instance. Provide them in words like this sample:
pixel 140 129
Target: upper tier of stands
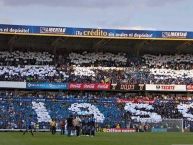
pixel 25 58
pixel 96 67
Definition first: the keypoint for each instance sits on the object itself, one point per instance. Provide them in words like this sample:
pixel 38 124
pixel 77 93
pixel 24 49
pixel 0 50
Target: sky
pixel 172 15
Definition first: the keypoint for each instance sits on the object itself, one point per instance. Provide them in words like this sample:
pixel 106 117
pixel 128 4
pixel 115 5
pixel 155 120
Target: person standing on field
pixel 77 124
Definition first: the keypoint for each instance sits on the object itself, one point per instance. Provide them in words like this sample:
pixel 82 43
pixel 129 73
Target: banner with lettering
pixel 136 100
pixel 90 32
pixel 91 86
pixel 128 87
pixel 118 130
pixel 46 86
pixel 152 87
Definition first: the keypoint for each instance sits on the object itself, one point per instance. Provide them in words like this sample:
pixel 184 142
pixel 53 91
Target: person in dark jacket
pixel 70 125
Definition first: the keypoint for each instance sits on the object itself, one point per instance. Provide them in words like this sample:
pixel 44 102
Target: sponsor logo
pixel 54 30
pixel 114 86
pixel 174 34
pixel 51 85
pixel 89 86
pixel 189 87
pixel 29 84
pixel 171 87
pixel 167 87
pixel 119 130
pixel 47 85
pixel 103 87
pixel 75 86
pixel 141 87
pixel 157 87
pixel 127 87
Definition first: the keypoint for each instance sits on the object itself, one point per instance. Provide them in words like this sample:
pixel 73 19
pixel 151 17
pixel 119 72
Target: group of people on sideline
pixel 75 125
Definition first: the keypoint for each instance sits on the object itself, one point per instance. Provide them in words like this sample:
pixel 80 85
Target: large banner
pixel 159 130
pixel 152 87
pixel 61 99
pixel 138 100
pixel 115 130
pixel 90 32
pixel 92 86
pixel 47 86
pixel 16 85
pixel 127 87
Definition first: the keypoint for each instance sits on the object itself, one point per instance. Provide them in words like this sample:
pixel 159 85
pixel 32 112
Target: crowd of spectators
pixel 96 68
pixel 112 108
pixel 108 110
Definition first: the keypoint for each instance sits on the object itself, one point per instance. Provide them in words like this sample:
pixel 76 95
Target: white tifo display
pixel 134 108
pixel 164 67
pixel 89 58
pixel 184 109
pixel 39 57
pixel 41 111
pixel 76 108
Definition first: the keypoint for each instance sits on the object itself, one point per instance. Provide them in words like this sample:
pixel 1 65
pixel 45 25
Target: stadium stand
pixel 143 81
pixel 107 108
pixel 96 67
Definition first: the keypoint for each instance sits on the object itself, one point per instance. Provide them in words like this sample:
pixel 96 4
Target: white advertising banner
pixel 152 87
pixel 8 84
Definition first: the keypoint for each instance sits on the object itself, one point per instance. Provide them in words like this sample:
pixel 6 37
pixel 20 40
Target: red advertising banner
pixel 189 88
pixel 92 86
pixel 75 86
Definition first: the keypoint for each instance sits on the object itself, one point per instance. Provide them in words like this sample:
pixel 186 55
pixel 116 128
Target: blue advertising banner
pixel 47 86
pixel 159 130
pixel 89 32
pixel 60 99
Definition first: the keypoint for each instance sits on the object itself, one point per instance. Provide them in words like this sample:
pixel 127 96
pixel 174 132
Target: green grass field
pixel 99 139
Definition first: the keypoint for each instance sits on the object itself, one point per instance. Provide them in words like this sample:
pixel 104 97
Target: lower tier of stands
pixel 108 109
